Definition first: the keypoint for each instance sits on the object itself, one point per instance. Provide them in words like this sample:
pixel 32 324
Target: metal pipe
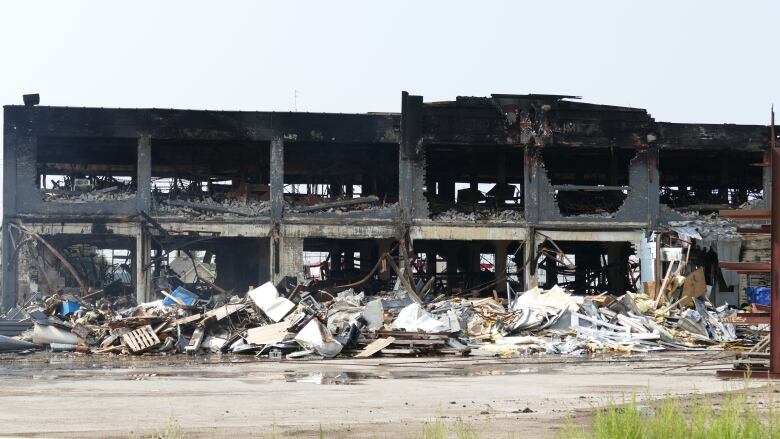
pixel 774 350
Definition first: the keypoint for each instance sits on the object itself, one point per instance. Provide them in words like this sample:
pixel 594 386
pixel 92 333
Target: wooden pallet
pixel 140 339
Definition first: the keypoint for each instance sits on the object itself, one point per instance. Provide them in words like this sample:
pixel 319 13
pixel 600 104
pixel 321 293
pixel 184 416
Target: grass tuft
pixel 439 430
pixel 677 418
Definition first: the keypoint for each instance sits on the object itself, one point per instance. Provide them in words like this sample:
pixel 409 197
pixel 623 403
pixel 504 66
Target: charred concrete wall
pixel 283 178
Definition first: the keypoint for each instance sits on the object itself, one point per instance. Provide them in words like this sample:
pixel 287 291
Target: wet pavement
pixel 229 396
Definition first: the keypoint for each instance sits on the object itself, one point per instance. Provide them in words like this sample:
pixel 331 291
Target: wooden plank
pixel 224 311
pixel 419 342
pixel 694 286
pixel 400 351
pixel 189 319
pixel 140 339
pixel 268 334
pixel 375 346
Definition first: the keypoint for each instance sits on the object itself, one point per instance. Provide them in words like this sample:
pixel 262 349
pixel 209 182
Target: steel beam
pixel 774 327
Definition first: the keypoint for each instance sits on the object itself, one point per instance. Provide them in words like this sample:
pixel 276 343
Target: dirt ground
pixel 65 395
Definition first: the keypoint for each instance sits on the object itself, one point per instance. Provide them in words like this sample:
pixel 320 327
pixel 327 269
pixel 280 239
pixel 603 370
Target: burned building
pixel 473 195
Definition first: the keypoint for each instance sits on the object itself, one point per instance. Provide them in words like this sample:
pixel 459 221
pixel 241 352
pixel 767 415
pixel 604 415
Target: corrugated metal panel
pixel 11 328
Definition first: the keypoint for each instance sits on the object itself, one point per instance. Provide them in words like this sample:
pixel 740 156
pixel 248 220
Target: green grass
pixel 172 430
pixel 676 418
pixel 438 429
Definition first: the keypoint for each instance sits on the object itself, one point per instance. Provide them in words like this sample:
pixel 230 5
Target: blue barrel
pixel 759 295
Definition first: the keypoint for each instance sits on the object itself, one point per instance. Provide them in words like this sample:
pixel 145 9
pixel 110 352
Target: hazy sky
pixel 711 61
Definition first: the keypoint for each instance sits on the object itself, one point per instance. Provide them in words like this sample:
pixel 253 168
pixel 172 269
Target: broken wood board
pixel 140 339
pixel 174 298
pixel 694 286
pixel 224 311
pixel 375 346
pixel 649 288
pixel 268 334
pixel 188 319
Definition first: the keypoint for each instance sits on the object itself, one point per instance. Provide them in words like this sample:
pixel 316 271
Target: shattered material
pixel 266 323
pixel 500 216
pixel 96 196
pixel 208 207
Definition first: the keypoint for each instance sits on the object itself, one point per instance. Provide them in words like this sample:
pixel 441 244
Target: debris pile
pixel 272 322
pixel 501 216
pixel 89 194
pixel 316 205
pixel 206 207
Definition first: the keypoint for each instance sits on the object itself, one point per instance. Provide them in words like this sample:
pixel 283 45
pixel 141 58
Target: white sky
pixel 711 61
pixel 683 61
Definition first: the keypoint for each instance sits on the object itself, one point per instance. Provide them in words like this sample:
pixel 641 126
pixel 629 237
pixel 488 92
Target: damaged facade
pixel 481 194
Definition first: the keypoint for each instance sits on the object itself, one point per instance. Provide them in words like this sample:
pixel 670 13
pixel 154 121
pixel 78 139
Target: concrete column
pixel 447 189
pixel 430 184
pixel 384 246
pixel 430 263
pixel 335 189
pixel 141 259
pixel 451 256
pixel 10 270
pixel 144 174
pixel 277 179
pixel 411 160
pixel 264 262
pixel 349 258
pixel 367 256
pixel 653 187
pixel 475 261
pixel 143 243
pixel 336 263
pixel 529 272
pixel 646 261
pixel 500 266
pixel 550 273
pixel 617 270
pixel 289 256
pixel 533 175
pixel 501 175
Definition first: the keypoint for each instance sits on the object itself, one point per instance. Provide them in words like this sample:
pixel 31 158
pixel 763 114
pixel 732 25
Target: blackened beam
pixel 318 128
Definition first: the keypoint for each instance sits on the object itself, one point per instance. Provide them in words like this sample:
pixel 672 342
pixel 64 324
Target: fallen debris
pixel 288 321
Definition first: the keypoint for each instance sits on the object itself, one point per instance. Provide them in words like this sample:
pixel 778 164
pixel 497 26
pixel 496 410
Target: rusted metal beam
pixel 774 326
pixel 747 267
pixel 404 281
pixel 747 318
pixel 65 263
pixel 746 214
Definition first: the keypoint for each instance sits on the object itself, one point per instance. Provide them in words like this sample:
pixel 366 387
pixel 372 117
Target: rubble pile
pixel 271 322
pixel 501 216
pixel 316 205
pixel 113 193
pixel 208 207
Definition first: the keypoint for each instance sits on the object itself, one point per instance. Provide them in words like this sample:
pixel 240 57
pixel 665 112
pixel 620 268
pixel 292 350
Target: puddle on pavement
pixel 356 377
pixel 68 367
